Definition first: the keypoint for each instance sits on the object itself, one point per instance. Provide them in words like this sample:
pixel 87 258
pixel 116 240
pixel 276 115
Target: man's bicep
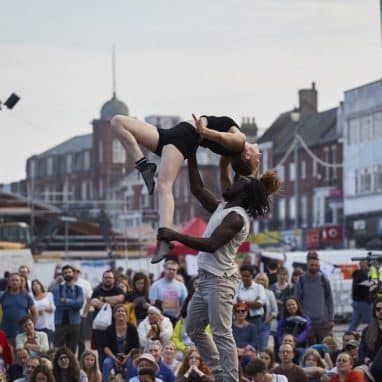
pixel 229 227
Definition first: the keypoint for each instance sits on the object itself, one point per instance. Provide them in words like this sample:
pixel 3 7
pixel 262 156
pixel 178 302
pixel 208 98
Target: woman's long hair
pixel 92 373
pixel 43 370
pixel 186 363
pixel 299 312
pixel 73 373
pixel 372 334
pixel 144 277
pixel 316 355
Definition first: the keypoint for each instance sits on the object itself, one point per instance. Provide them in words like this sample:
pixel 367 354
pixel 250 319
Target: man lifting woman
pixel 220 134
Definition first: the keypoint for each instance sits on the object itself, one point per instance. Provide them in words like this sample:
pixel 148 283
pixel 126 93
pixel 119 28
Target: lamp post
pixel 295 117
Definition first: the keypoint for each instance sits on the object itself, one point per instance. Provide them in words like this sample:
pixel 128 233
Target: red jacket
pixel 6 351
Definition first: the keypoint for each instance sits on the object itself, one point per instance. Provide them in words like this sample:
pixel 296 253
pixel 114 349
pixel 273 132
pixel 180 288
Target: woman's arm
pixel 233 140
pixel 206 198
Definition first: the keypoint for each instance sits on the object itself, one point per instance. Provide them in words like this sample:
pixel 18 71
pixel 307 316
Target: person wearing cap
pixel 85 332
pixel 154 327
pixel 313 291
pixel 145 364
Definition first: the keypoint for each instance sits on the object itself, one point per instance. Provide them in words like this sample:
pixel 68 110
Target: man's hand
pixel 166 234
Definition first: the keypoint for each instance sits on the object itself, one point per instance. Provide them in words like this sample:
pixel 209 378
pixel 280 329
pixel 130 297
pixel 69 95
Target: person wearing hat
pixel 313 292
pixel 85 327
pixel 154 327
pixel 145 365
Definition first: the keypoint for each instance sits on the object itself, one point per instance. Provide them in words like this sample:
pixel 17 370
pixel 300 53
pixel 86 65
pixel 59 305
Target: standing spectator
pixel 360 296
pixel 89 365
pixel 106 292
pixel 16 304
pixel 252 294
pixel 269 358
pixel 281 289
pixel 154 327
pixel 26 272
pixel 4 281
pixel 296 274
pixel 66 367
pixel 35 342
pixel 270 311
pixel 5 352
pixel 29 367
pixel 314 293
pixel 45 307
pixel 169 291
pixel 85 331
pixel 293 372
pixel 271 271
pixel 139 296
pixel 68 299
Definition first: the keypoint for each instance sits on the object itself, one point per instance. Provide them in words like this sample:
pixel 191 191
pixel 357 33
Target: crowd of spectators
pixel 282 327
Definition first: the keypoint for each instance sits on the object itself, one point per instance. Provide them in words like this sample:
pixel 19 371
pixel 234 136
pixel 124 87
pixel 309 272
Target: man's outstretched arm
pixel 205 196
pixel 229 227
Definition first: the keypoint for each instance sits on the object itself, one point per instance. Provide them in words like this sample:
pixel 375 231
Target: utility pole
pixel 295 116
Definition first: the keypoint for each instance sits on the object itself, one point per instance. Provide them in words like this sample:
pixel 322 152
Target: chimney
pixel 307 99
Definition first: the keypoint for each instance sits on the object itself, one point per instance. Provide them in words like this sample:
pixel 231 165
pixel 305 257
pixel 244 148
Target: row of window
pixel 364 129
pixel 365 181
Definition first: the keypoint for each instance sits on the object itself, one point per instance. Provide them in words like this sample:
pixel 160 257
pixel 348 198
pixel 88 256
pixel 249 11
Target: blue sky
pixel 232 57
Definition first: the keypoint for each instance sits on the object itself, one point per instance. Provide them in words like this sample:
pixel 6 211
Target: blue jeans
pixel 361 312
pixel 108 366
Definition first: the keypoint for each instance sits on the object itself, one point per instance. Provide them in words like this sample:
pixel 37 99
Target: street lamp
pixel 11 101
pixel 295 117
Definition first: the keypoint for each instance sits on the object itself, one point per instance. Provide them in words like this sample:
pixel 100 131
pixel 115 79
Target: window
pixel 86 160
pixel 326 159
pixel 365 181
pixel 281 209
pixel 32 169
pixel 333 170
pixel 83 190
pixel 315 168
pixel 49 166
pixel 303 170
pixel 292 172
pixel 304 210
pixel 378 178
pixel 292 208
pixel 119 153
pixel 281 172
pixel 69 163
pixel 100 151
pixel 353 132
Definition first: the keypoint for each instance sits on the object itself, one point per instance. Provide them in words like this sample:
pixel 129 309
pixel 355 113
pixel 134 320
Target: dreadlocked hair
pixel 259 191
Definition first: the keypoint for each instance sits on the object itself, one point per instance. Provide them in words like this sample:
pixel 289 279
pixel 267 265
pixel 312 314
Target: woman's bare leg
pixel 170 165
pixel 132 133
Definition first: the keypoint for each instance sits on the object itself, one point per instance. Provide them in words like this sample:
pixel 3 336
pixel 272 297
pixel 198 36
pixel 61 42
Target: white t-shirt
pixel 88 291
pixel 279 378
pixel 45 320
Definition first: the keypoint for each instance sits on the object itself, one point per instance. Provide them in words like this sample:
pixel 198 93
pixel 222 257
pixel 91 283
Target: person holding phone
pixel 222 135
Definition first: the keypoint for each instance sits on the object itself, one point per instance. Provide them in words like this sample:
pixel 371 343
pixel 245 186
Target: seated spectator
pixel 169 357
pixel 293 372
pixel 155 349
pixel 88 364
pixel 244 334
pixel 314 366
pixel 294 322
pixel 257 371
pixel 46 361
pixel 16 370
pixel 281 289
pixel 35 342
pixel 345 372
pixel 154 327
pixel 29 367
pixel 145 364
pixel 5 352
pixel 42 374
pixel 123 284
pixel 332 345
pixel 298 352
pixel 66 367
pixel 120 338
pixel 269 358
pixel 193 368
pixel 352 348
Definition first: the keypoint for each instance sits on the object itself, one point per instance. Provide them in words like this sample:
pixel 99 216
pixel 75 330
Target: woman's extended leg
pixel 170 165
pixel 132 133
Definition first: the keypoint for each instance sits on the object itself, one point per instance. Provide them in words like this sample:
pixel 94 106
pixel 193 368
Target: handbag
pixel 103 318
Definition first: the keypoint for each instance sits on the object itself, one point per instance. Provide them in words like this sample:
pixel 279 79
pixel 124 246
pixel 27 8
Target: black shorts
pixel 183 136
